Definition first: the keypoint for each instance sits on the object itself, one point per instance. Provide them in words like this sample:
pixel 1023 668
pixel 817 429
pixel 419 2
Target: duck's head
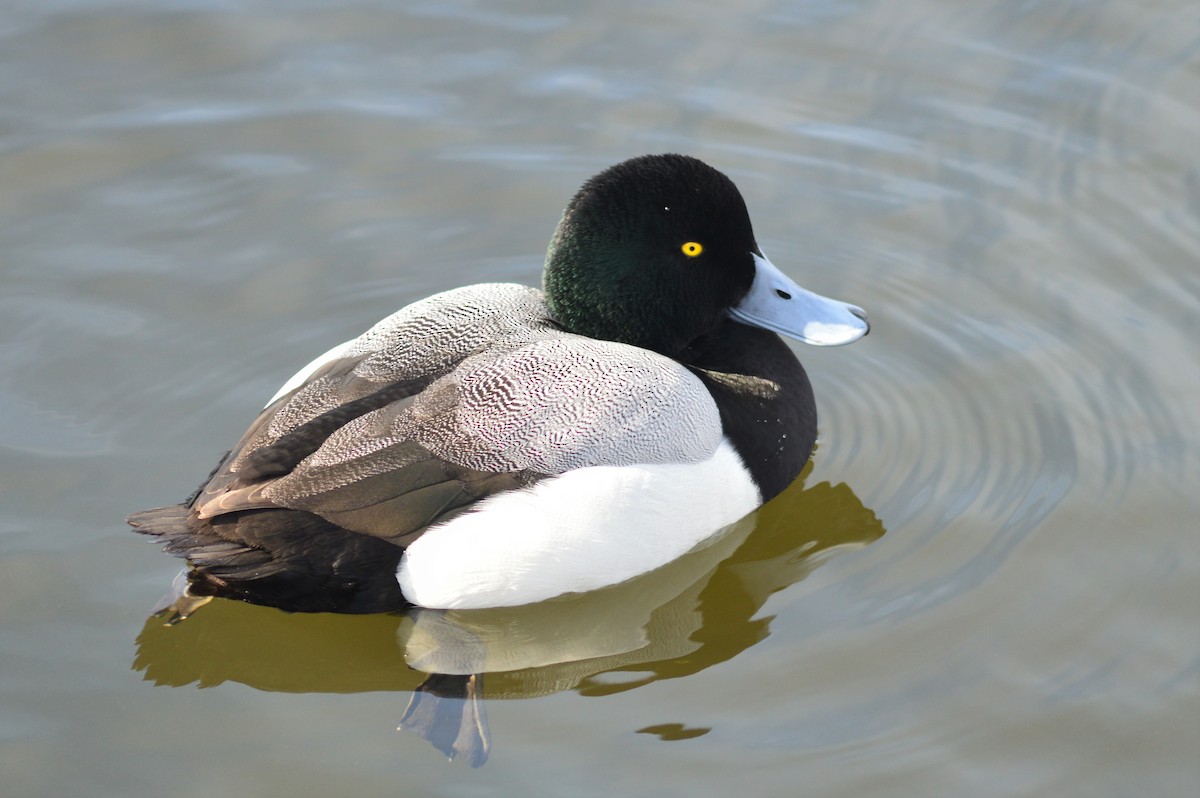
pixel 658 251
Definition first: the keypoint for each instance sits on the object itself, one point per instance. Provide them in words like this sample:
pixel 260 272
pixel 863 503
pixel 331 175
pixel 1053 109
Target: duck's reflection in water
pixel 675 621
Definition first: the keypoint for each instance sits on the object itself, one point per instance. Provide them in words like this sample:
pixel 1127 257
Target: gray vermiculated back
pixel 524 395
pixel 427 338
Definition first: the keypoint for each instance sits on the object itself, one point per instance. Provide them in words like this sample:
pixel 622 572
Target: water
pixel 985 585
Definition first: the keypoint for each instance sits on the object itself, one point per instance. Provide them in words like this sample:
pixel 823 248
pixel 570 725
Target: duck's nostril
pixel 782 294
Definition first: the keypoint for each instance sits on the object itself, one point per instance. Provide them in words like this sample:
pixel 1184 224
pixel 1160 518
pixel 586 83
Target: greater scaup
pixel 498 445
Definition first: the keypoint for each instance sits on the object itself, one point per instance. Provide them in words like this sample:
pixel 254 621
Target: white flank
pixel 581 531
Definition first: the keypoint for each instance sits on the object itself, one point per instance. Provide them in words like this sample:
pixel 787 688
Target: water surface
pixel 986 584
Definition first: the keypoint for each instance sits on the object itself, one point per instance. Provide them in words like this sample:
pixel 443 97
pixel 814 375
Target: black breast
pixel 766 402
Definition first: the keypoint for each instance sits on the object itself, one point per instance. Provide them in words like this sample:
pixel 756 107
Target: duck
pixel 498 445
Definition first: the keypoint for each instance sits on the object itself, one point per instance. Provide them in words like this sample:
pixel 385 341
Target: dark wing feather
pixel 285 453
pixel 337 445
pixel 329 385
pixel 391 362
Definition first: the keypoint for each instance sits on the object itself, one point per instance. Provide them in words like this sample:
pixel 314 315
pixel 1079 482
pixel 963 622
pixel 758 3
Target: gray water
pixel 986 584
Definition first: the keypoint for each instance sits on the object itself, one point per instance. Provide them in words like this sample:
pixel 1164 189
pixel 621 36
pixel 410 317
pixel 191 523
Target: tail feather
pixel 160 521
pixel 197 541
pixel 289 559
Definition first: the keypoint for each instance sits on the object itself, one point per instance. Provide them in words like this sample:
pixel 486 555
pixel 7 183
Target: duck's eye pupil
pixel 692 249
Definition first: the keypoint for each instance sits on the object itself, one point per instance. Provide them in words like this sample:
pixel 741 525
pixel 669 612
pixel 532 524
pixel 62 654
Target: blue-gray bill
pixel 775 302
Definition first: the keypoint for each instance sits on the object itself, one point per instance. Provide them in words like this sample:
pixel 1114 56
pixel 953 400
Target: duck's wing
pixel 515 412
pixel 385 367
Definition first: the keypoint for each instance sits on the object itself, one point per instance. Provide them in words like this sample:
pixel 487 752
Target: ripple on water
pixel 1030 360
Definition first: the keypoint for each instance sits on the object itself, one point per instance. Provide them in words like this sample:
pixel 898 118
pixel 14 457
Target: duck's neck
pixel 616 310
pixel 766 402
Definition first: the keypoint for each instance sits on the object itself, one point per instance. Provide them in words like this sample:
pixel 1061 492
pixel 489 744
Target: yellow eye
pixel 692 249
